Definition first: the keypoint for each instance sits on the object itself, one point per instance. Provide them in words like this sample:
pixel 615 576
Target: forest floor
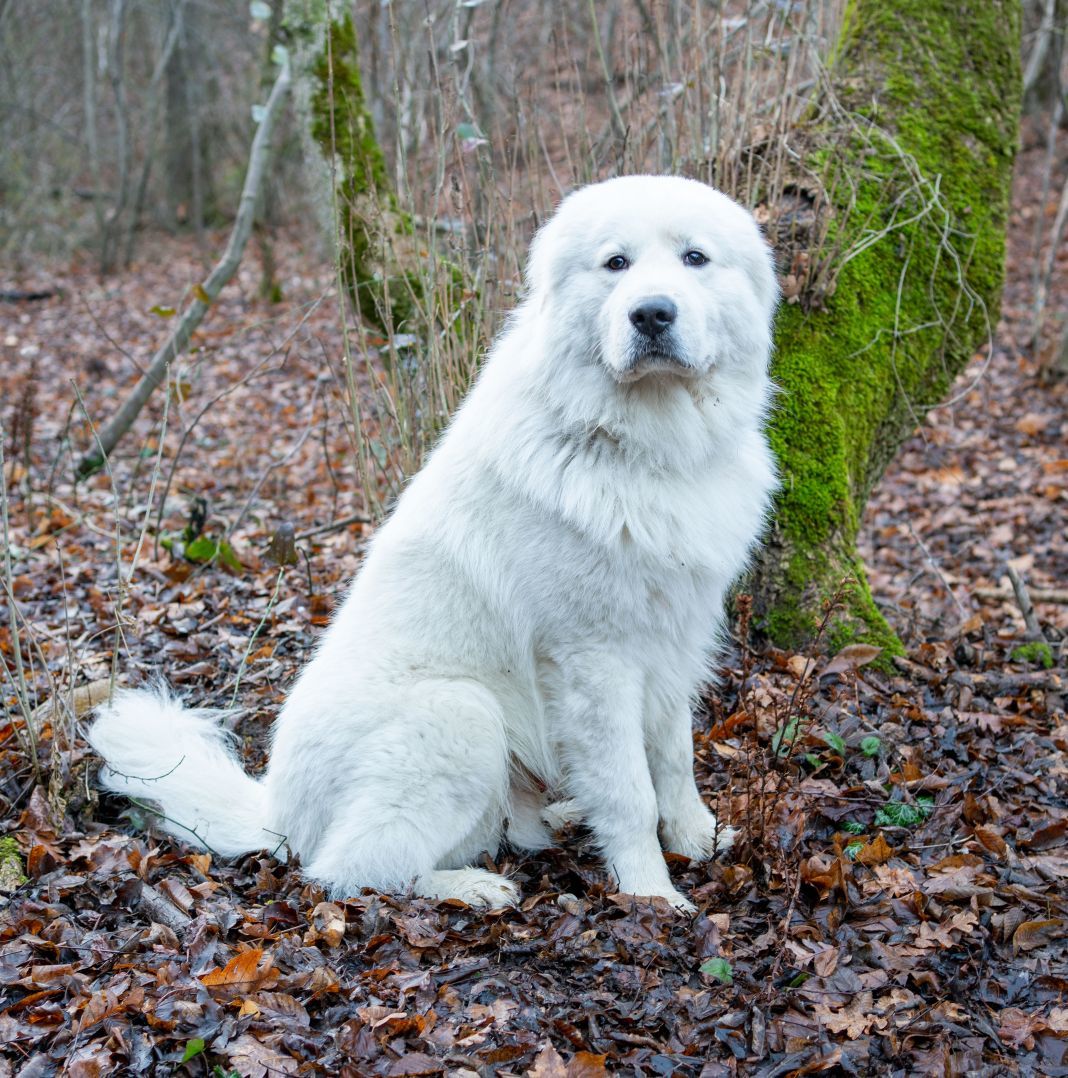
pixel 897 904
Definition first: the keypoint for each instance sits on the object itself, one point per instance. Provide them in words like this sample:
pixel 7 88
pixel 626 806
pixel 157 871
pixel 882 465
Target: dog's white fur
pixel 537 615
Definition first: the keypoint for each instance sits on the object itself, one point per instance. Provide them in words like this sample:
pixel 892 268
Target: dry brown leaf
pixel 801 666
pixel 328 924
pixel 851 657
pixel 1034 423
pixel 854 1020
pixel 548 1063
pixel 876 852
pixel 81 701
pixel 101 1005
pixel 825 961
pixel 253 1059
pixel 992 841
pixel 1015 1027
pixel 1033 934
pixel 242 971
pixel 586 1065
pixel 416 1063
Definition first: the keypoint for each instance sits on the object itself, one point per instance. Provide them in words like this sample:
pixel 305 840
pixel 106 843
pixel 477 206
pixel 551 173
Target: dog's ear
pixel 539 269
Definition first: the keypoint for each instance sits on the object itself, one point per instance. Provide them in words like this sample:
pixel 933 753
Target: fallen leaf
pixel 876 852
pixel 851 657
pixel 253 1059
pixel 328 924
pixel 1033 934
pixel 242 971
pixel 548 1063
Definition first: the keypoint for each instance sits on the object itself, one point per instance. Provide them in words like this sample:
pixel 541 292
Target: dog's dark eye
pixel 616 263
pixel 695 258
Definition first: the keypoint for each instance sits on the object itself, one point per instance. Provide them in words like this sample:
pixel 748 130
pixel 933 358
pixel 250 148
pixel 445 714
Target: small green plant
pixel 853 827
pixel 719 968
pixel 902 814
pixel 193 1048
pixel 203 550
pixel 1038 653
pixel 836 742
pixel 852 849
pixel 785 737
pixel 870 746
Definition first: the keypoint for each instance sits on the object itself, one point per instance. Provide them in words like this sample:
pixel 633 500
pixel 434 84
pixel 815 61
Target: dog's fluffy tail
pixel 181 759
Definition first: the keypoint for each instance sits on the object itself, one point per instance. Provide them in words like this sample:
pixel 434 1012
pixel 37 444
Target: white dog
pixel 537 615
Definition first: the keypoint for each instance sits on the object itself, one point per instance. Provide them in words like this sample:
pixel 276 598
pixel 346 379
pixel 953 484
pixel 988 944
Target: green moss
pixel 375 236
pixel 12 874
pixel 919 191
pixel 1039 653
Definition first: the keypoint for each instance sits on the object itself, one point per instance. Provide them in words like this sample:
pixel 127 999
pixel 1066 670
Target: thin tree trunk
pixel 174 32
pixel 204 294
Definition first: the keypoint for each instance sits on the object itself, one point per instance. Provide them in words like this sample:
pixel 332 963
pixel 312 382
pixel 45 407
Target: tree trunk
pixel 378 256
pixel 914 148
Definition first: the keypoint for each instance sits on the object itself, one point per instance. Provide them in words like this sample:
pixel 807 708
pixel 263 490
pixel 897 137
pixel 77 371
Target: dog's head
pixel 655 276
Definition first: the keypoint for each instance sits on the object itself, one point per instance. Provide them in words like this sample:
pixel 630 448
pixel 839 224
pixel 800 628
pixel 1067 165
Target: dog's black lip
pixel 657 353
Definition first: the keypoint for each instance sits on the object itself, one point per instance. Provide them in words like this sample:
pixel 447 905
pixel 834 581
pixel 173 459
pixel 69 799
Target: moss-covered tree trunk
pixel 377 255
pixel 915 159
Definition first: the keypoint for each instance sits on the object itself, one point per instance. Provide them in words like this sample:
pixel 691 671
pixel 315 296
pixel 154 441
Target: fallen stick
pixel 1023 600
pixel 163 910
pixel 204 295
pixel 1038 595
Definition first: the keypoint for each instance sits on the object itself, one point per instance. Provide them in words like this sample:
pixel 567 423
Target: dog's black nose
pixel 653 315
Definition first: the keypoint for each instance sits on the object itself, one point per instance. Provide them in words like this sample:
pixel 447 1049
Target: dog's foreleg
pixel 599 716
pixel 686 824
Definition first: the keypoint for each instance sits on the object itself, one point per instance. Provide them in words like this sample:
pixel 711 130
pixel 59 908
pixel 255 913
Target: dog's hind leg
pixel 428 792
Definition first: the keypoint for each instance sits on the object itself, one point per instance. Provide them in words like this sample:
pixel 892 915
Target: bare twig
pixel 1034 630
pixel 205 294
pixel 336 526
pixel 929 558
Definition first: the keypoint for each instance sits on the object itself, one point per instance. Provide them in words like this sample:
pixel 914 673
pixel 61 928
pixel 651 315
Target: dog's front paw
pixel 699 837
pixel 667 894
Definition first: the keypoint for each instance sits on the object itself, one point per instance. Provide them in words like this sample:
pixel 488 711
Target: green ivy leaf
pixel 854 827
pixel 719 968
pixel 870 746
pixel 900 814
